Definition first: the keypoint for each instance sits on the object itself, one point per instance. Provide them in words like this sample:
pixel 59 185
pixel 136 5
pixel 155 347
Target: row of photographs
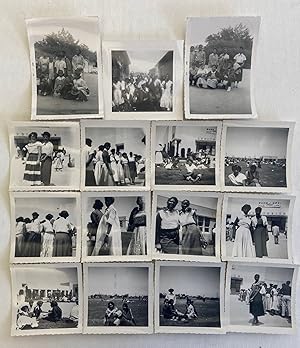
pixel 75 75
pixel 130 226
pixel 234 156
pixel 160 297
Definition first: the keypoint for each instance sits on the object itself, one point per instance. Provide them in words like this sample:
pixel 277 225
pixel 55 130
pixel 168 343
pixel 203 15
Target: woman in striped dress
pixel 32 173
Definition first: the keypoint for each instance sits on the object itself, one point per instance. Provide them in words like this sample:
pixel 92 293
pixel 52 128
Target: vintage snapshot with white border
pixel 118 298
pixel 46 299
pixel 186 225
pixel 65 54
pixel 219 61
pixel 44 156
pixel 185 155
pixel 116 226
pixel 115 155
pixel 257 228
pixel 261 298
pixel 256 156
pixel 189 297
pixel 45 227
pixel 143 79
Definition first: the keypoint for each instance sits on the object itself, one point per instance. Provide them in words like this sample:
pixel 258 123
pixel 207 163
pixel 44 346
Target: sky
pixel 45 278
pixel 198 29
pixel 193 281
pixel 256 141
pixel 144 60
pixel 207 202
pixel 118 280
pixel 83 29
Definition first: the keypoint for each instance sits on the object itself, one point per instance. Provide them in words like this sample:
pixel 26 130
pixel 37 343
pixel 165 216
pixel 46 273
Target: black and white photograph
pixel 115 225
pixel 185 155
pixel 45 227
pixel 257 227
pixel 65 61
pixel 46 299
pixel 145 79
pixel 118 298
pixel 44 156
pixel 189 297
pixel 255 156
pixel 186 225
pixel 261 298
pixel 220 55
pixel 115 155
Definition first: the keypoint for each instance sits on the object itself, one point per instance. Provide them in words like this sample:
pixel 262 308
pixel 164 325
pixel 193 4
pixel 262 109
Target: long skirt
pixel 132 170
pixel 98 172
pixel 137 244
pixel 275 303
pixel 47 245
pixel 19 245
pixel 46 167
pixel 107 178
pixel 32 173
pixel 191 241
pixel 243 246
pixel 257 307
pixel 260 241
pixel 169 241
pixel 33 245
pixel 89 178
pixel 268 302
pixel 126 171
pixel 62 244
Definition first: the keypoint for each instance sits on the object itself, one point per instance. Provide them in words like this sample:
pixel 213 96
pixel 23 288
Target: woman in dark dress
pixel 92 226
pixel 256 300
pixel 260 233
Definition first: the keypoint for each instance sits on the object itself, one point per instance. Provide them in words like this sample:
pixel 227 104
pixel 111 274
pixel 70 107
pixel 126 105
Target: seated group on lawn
pixel 222 71
pixel 118 317
pixel 170 312
pixel 62 77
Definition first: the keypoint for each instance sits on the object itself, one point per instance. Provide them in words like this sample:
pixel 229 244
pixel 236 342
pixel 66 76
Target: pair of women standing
pixel 169 223
pixel 251 235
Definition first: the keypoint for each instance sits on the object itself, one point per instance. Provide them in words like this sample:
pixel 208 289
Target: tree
pixel 232 38
pixel 53 44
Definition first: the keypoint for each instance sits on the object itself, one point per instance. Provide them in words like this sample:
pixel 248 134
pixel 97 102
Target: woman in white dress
pixel 166 101
pixel 108 237
pixel 99 170
pixel 117 94
pixel 159 159
pixel 275 300
pixel 47 232
pixel 243 245
pixel 114 166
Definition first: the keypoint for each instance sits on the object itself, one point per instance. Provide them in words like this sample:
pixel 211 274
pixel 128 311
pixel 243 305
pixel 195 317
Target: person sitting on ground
pixel 44 85
pixel 127 318
pixel 55 314
pixel 24 318
pixel 112 315
pixel 38 309
pixel 213 78
pixel 80 89
pixel 59 83
pixel 236 177
pixel 252 176
pixel 192 174
pixel 201 77
pixel 168 311
pixel 193 74
pixel 190 312
pixel 74 314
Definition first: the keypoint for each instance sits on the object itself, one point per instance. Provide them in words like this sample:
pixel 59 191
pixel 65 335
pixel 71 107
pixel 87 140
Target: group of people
pixel 62 77
pixel 39 158
pixel 170 312
pixel 48 237
pixel 218 71
pixel 250 233
pixel 142 92
pixel 118 317
pixel 107 167
pixel 104 230
pixel 265 299
pixel 30 313
pixel 177 230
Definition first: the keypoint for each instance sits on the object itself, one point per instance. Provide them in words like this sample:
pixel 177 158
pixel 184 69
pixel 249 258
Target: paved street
pixel 219 101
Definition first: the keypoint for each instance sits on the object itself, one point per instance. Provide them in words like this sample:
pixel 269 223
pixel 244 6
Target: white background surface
pixel 277 83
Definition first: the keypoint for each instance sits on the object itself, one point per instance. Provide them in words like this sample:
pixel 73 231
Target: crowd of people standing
pixel 218 70
pixel 105 166
pixel 48 237
pixel 142 92
pixel 62 77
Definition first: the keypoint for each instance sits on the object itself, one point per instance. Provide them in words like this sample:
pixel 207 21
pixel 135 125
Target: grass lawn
pixel 45 324
pixel 176 176
pixel 208 314
pixel 270 175
pixel 97 308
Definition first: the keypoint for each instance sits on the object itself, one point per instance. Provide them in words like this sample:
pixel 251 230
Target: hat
pixel 47 134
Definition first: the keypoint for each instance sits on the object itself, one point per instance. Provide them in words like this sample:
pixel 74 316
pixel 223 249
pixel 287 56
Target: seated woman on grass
pixel 80 89
pixel 59 83
pixel 112 315
pixel 252 176
pixel 236 177
pixel 192 172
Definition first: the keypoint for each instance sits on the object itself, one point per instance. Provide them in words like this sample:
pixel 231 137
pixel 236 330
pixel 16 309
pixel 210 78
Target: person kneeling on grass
pixel 112 315
pixel 192 174
pixel 55 314
pixel 80 89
